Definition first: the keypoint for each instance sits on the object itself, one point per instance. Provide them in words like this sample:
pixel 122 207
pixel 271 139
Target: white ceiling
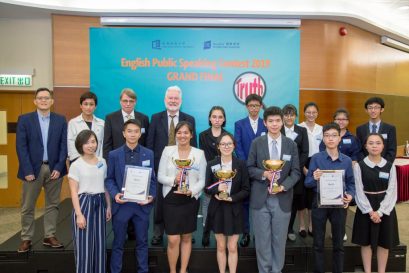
pixel 384 17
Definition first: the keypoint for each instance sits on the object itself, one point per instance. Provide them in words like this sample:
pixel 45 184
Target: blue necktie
pixel 374 128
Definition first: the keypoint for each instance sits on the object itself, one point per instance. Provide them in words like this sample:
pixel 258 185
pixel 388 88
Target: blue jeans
pixel 337 218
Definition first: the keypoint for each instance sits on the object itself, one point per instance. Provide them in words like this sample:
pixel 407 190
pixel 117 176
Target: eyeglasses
pixel 331 136
pixel 43 98
pixel 373 107
pixel 289 116
pixel 341 119
pixel 128 101
pixel 226 145
pixel 311 113
pixel 253 105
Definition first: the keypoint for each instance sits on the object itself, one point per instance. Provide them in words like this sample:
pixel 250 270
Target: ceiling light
pixel 395 44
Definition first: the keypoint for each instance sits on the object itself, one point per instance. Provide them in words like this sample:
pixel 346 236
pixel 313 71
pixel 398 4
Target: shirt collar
pixel 176 115
pixel 291 129
pixel 270 139
pixel 253 121
pixel 124 114
pixel 42 116
pixel 340 156
pixel 371 164
pixel 377 124
pixel 81 118
pixel 128 150
pixel 347 134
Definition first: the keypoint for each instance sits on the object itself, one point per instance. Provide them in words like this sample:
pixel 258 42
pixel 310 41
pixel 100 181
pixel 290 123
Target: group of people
pixel 99 152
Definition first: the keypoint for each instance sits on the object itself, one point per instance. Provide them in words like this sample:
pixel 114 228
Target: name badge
pixel 146 163
pixel 347 141
pixel 385 136
pixel 142 130
pixel 100 165
pixel 318 138
pixel 293 136
pixel 383 175
pixel 262 133
pixel 216 167
pixel 286 157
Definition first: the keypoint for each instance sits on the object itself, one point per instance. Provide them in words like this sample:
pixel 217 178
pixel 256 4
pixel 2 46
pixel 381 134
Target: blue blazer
pixel 30 148
pixel 116 170
pixel 244 135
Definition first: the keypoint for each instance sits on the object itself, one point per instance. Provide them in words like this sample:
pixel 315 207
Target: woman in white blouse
pixel 314 131
pixel 180 208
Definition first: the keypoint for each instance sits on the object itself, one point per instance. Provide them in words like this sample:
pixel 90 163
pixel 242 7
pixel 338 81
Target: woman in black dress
pixel 375 223
pixel 225 216
pixel 207 142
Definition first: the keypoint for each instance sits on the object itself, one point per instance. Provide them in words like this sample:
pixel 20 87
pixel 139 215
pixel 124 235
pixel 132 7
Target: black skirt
pixel 226 219
pixel 180 213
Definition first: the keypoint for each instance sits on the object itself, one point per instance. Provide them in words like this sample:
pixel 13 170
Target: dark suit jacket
pixel 158 134
pixel 290 173
pixel 244 135
pixel 303 148
pixel 30 148
pixel 116 170
pixel 386 130
pixel 113 137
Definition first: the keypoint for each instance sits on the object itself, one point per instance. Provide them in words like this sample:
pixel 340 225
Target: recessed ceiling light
pixel 404 8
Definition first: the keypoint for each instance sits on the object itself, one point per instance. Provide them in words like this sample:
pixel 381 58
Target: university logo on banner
pixel 249 83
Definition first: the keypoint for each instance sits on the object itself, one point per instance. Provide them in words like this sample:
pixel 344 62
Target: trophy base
pixel 184 189
pixel 223 195
pixel 275 189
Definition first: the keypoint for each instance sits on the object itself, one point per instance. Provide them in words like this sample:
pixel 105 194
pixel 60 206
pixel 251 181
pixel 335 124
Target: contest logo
pixel 156 44
pixel 248 83
pixel 207 45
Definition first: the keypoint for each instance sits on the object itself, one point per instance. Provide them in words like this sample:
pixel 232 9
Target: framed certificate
pixel 136 183
pixel 331 189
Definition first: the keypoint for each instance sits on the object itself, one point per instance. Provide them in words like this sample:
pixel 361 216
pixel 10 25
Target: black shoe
pixel 245 240
pixel 156 240
pixel 303 233
pixel 206 239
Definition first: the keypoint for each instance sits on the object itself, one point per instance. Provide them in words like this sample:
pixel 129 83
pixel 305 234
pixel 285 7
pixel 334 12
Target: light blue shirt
pixel 378 124
pixel 44 125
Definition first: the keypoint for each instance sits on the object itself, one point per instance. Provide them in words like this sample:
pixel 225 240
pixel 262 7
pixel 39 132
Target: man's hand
pixel 347 199
pixel 118 198
pixel 55 175
pixel 317 174
pixel 147 201
pixel 30 177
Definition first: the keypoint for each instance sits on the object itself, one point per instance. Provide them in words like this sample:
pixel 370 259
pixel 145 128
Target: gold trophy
pixel 274 166
pixel 224 176
pixel 183 165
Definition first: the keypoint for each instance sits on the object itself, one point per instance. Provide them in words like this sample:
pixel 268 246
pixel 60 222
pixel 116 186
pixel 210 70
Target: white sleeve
pixel 74 172
pixel 71 135
pixel 389 201
pixel 360 197
pixel 163 177
pixel 198 186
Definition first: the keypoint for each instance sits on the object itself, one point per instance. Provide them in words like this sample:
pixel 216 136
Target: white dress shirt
pixel 75 126
pixel 254 124
pixel 388 202
pixel 125 115
pixel 289 132
pixel 314 138
pixel 175 119
pixel 278 144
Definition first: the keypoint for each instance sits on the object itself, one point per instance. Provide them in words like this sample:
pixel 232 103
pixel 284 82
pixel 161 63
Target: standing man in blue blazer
pixel 125 211
pixel 41 143
pixel 161 134
pixel 245 131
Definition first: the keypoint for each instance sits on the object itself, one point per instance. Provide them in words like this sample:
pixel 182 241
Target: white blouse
pixel 314 138
pixel 388 202
pixel 167 170
pixel 90 177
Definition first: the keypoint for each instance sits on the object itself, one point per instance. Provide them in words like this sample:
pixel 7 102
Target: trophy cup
pixel 224 176
pixel 274 166
pixel 183 165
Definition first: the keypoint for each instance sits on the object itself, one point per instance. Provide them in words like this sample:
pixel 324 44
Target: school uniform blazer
pixel 244 135
pixel 240 186
pixel 30 148
pixel 289 176
pixel 114 124
pixel 116 171
pixel 158 135
pixel 387 131
pixel 167 170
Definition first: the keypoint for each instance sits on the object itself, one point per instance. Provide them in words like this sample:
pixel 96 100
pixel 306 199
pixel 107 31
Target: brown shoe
pixel 52 242
pixel 25 246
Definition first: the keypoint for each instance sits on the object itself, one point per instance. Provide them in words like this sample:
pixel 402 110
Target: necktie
pixel 374 128
pixel 171 135
pixel 274 150
pixel 128 117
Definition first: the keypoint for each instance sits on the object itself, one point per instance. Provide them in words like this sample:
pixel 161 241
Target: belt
pixel 374 192
pixel 44 162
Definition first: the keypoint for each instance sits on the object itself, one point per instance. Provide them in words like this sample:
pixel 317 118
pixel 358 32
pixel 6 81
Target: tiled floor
pixel 10 223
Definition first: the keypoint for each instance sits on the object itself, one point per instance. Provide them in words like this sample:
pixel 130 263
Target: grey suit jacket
pixel 289 176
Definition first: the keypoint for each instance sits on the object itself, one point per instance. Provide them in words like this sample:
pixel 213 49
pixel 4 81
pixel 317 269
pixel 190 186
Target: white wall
pixel 26 44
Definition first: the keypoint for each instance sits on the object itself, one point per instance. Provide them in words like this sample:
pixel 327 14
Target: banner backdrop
pixel 211 66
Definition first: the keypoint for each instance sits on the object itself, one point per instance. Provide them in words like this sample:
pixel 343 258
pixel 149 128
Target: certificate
pixel 331 188
pixel 136 183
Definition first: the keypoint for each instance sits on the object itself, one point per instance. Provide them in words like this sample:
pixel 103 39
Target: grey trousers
pixel 270 225
pixel 30 192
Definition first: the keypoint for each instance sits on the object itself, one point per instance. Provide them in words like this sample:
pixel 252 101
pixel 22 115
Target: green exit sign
pixel 16 80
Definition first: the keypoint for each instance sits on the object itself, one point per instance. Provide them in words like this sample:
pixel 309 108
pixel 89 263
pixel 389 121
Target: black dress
pixel 227 217
pixel 365 232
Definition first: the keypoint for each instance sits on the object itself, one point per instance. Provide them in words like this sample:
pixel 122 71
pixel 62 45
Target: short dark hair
pixel 376 100
pixel 219 138
pixel 82 138
pixel 220 109
pixel 132 121
pixel 341 111
pixel 309 104
pixel 374 134
pixel 331 125
pixel 89 95
pixel 289 109
pixel 254 97
pixel 43 89
pixel 184 123
pixel 272 111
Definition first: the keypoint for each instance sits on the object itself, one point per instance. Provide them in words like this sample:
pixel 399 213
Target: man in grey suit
pixel 271 211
